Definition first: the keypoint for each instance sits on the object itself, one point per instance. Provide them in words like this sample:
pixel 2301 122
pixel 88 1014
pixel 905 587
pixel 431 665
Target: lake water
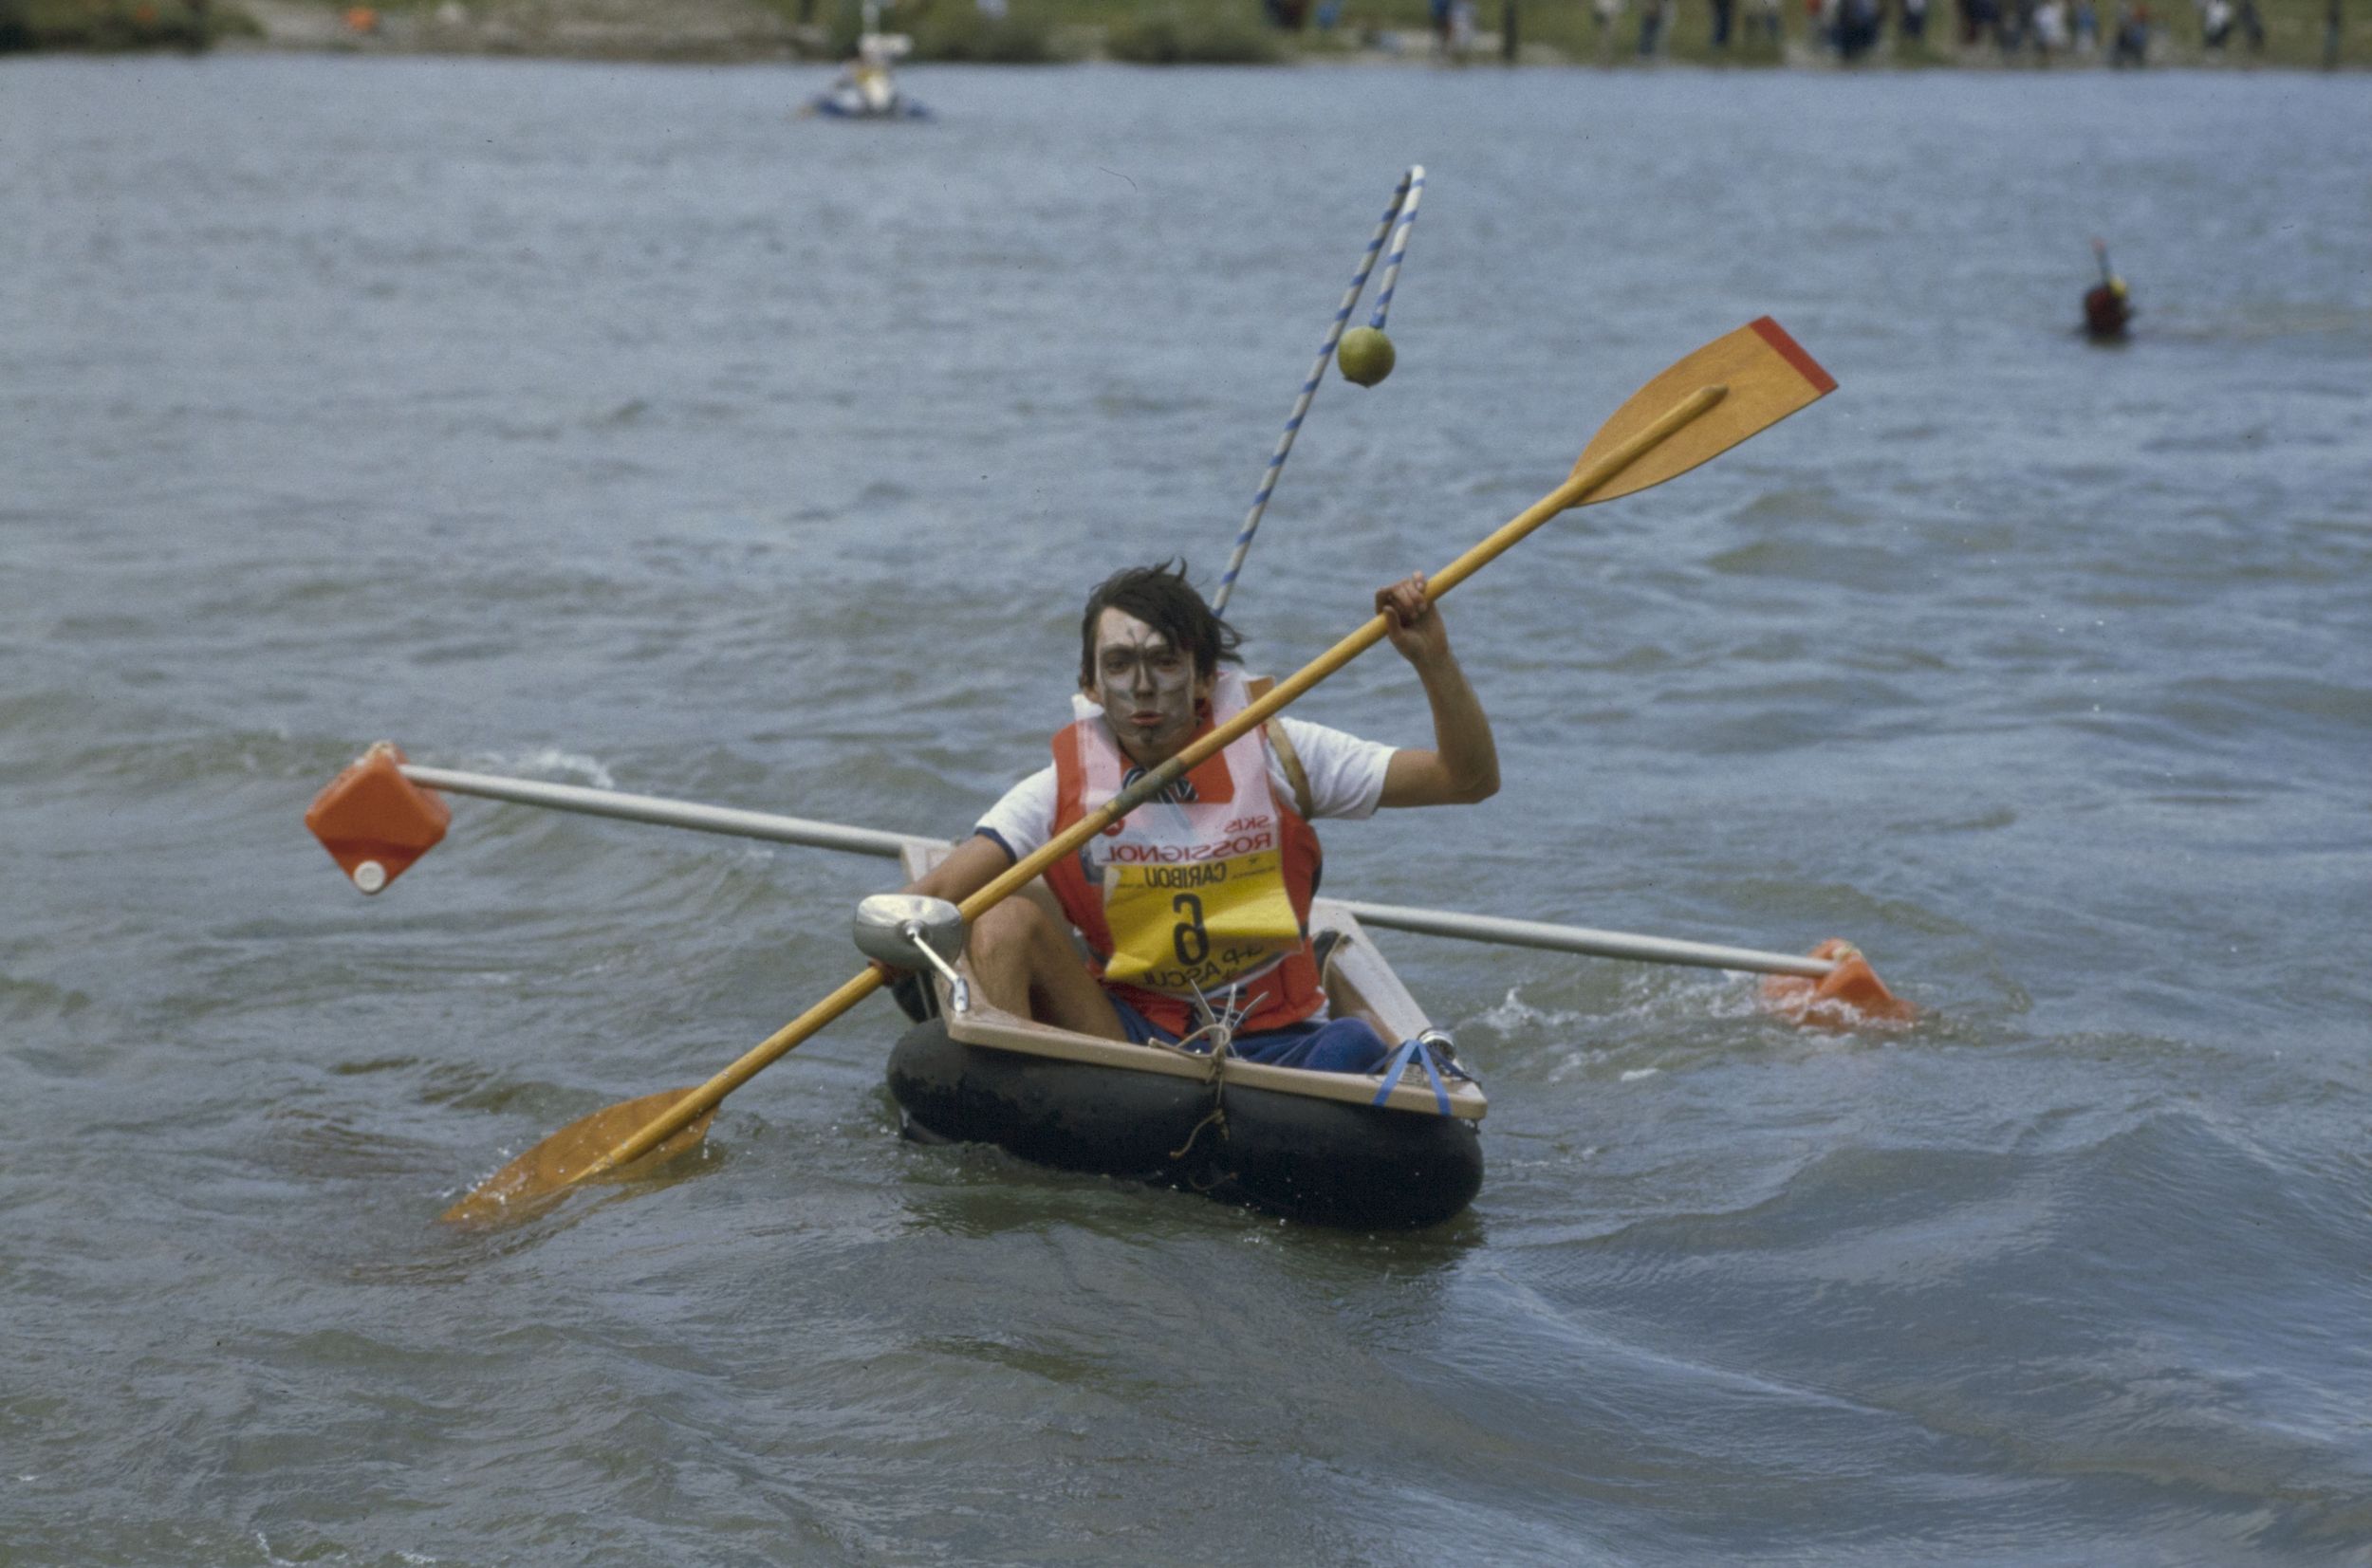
pixel 613 425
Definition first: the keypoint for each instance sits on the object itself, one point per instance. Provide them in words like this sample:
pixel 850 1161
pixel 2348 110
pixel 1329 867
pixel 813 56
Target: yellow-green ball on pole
pixel 1365 355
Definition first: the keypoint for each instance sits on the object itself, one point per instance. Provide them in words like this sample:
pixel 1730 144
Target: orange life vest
pixel 1210 891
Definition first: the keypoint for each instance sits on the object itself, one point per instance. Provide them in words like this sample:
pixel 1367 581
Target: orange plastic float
pixel 1850 994
pixel 375 822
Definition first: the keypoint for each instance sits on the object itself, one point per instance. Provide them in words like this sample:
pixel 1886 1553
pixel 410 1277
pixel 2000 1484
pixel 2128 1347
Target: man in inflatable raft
pixel 1206 889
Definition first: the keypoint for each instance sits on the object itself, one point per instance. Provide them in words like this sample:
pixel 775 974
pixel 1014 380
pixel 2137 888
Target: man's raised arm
pixel 1463 765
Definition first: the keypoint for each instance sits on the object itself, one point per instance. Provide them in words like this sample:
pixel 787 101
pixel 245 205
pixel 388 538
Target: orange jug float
pixel 1850 994
pixel 375 822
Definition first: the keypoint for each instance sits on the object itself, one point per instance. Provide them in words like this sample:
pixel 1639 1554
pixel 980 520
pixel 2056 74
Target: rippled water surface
pixel 616 426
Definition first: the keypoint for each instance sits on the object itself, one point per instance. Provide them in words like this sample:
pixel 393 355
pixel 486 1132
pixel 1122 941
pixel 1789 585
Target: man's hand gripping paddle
pixel 1731 388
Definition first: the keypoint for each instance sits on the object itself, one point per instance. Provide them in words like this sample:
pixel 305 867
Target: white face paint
pixel 1148 689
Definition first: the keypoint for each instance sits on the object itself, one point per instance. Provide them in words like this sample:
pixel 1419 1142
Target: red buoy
pixel 375 822
pixel 2105 311
pixel 1849 994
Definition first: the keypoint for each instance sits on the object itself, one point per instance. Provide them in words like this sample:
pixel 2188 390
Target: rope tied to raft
pixel 1403 210
pixel 1215 1080
pixel 1219 1029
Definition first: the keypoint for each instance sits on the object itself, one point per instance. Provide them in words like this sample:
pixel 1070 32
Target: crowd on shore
pixel 2043 31
pixel 1965 33
pixel 2039 31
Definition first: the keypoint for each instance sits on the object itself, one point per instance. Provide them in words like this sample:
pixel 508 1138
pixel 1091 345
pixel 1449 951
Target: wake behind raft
pixel 1396 1149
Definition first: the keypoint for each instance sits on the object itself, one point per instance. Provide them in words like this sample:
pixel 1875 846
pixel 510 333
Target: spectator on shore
pixel 1724 11
pixel 2214 23
pixel 1913 22
pixel 1856 28
pixel 2252 26
pixel 1763 21
pixel 1651 20
pixel 2132 46
pixel 2051 28
pixel 2088 29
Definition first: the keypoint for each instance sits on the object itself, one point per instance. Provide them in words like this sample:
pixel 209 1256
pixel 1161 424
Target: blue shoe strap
pixel 1413 1050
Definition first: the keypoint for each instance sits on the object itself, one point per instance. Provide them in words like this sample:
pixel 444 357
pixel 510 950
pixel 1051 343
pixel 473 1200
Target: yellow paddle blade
pixel 545 1170
pixel 634 1138
pixel 1769 377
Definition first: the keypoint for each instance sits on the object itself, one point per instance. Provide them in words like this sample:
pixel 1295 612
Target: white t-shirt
pixel 1345 781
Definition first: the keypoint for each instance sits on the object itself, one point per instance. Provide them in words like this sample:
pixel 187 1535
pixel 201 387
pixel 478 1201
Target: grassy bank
pixel 105 26
pixel 1149 32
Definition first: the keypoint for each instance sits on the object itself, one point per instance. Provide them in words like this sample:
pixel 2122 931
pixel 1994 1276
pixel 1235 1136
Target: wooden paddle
pixel 1731 389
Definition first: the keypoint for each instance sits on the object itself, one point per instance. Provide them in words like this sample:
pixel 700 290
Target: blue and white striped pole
pixel 1415 181
pixel 1403 209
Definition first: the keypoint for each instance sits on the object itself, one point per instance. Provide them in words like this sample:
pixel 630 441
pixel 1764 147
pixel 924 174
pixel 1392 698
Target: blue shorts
pixel 1335 1045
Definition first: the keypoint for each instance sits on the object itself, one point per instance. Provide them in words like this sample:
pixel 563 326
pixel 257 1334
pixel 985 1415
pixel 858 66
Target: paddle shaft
pixel 752 1062
pixel 1574 491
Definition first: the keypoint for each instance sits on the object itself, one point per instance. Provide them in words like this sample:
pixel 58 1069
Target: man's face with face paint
pixel 1148 689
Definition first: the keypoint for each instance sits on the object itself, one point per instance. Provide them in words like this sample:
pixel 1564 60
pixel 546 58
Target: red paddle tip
pixel 1792 351
pixel 1849 995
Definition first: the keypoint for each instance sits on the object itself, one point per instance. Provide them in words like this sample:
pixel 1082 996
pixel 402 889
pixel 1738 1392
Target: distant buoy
pixel 2106 306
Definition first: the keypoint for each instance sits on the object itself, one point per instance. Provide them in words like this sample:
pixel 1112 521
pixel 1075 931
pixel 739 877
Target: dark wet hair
pixel 1161 597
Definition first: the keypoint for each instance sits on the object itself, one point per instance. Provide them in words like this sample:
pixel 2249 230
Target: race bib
pixel 1196 924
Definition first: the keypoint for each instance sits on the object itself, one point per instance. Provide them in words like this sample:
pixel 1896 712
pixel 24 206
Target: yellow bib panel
pixel 1197 924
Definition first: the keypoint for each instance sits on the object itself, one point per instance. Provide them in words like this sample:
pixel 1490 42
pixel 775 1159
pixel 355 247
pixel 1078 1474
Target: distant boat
pixel 864 88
